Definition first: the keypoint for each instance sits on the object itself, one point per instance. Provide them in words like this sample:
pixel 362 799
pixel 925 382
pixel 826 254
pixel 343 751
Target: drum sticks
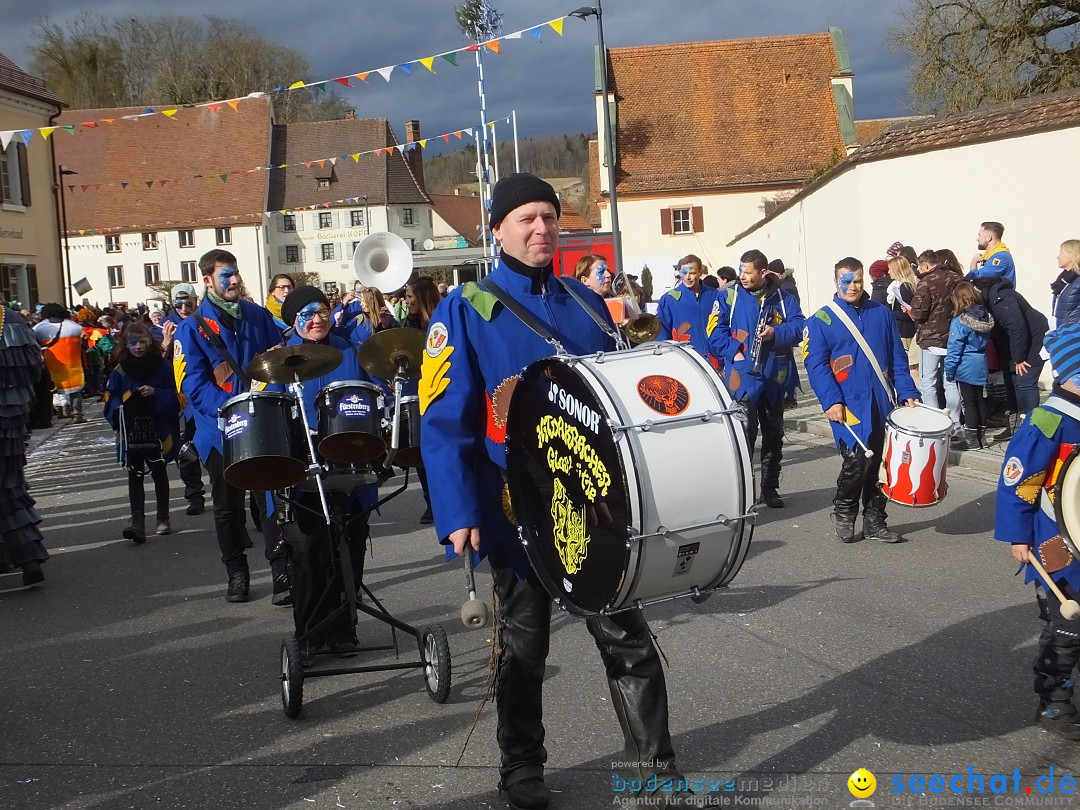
pixel 1070 609
pixel 474 613
pixel 866 450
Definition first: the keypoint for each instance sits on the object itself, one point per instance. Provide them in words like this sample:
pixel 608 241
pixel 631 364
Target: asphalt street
pixel 128 681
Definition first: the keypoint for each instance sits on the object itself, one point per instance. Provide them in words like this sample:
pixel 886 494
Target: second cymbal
pixel 304 361
pixel 385 352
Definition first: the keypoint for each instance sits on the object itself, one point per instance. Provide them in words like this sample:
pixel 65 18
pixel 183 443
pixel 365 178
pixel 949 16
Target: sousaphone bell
pixel 384 261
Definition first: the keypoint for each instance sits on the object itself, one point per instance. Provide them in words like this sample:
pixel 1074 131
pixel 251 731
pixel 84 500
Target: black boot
pixel 137 530
pixel 1012 421
pixel 845 528
pixel 1060 718
pixel 282 595
pixel 964 439
pixel 771 498
pixel 32 573
pixel 528 794
pixel 239 589
pixel 875 528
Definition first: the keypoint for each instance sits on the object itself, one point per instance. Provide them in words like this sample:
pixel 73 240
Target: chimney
pixel 416 156
pixel 350 115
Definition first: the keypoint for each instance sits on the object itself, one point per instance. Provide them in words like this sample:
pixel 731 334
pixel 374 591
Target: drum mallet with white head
pixel 474 613
pixel 1070 609
pixel 866 450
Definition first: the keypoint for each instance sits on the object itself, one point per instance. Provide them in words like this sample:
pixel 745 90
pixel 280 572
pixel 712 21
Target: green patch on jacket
pixel 823 314
pixel 676 294
pixel 480 299
pixel 1046 421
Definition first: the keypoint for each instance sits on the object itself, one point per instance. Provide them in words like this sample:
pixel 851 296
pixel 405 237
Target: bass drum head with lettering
pixel 1067 502
pixel 567 487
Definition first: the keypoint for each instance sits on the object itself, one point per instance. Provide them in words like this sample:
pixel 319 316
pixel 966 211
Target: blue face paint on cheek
pixel 601 272
pixel 845 281
pixel 225 275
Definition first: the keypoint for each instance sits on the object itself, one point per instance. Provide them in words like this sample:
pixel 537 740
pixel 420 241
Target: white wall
pixel 935 200
pixel 89 260
pixel 724 215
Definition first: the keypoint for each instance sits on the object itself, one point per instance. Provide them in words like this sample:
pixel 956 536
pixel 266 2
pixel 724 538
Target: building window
pixel 112 243
pixel 680 221
pixel 116 275
pixel 327 251
pixel 223 236
pixel 149 240
pixel 14 175
pixel 406 216
pixel 288 222
pixel 152 272
pixel 352 248
pixel 330 287
pixel 187 238
pixel 357 218
pixel 292 254
pixel 188 271
pixel 326 219
pixel 324 182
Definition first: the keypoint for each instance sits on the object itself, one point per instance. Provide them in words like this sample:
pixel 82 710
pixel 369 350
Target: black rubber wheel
pixel 292 678
pixel 436 663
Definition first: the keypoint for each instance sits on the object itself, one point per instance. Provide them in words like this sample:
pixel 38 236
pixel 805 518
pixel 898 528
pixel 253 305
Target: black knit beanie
pixel 519 189
pixel 298 299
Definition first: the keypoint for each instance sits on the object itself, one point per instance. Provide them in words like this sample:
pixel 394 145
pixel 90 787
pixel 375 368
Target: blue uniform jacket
pixel 202 375
pixel 358 328
pixel 740 312
pixel 839 371
pixel 688 317
pixel 968 336
pixel 476 350
pixel 121 385
pixel 1031 466
pixel 997 261
pixel 185 405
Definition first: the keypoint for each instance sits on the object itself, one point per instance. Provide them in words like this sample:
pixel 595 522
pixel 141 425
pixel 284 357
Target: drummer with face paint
pixel 206 380
pixel 855 398
pixel 690 311
pixel 476 348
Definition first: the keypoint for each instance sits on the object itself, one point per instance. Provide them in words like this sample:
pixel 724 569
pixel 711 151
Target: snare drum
pixel 603 453
pixel 916 455
pixel 341 478
pixel 262 441
pixel 350 421
pixel 405 432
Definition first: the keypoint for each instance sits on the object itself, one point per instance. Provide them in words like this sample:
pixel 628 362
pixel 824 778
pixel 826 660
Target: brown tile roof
pixel 571 220
pixel 866 131
pixel 461 212
pixel 13 78
pixel 709 115
pixel 384 179
pixel 196 142
pixel 1036 114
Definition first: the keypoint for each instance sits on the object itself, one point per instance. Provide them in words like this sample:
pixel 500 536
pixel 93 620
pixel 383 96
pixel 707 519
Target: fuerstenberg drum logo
pixel 235 425
pixel 664 394
pixel 354 406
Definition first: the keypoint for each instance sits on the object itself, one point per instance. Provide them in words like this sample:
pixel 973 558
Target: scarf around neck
pixel 231 307
pixel 274 306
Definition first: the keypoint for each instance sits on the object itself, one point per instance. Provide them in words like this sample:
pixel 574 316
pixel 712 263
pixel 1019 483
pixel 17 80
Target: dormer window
pixel 324 182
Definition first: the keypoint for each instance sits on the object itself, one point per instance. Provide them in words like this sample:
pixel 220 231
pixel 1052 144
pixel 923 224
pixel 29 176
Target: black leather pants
pixel 769 418
pixel 858 479
pixel 1059 653
pixel 635 678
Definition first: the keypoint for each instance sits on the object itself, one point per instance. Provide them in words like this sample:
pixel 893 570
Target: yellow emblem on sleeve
pixel 434 376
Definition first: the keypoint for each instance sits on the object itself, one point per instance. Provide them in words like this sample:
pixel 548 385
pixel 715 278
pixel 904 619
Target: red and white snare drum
pixel 916 455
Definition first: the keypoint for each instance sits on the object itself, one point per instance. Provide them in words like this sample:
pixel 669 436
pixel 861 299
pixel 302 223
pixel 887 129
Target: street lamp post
pixel 64 171
pixel 609 141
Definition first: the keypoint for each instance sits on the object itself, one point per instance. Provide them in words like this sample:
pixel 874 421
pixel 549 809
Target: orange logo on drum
pixel 664 394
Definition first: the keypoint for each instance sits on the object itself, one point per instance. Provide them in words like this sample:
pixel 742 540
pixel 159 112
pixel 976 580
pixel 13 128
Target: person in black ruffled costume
pixel 20 369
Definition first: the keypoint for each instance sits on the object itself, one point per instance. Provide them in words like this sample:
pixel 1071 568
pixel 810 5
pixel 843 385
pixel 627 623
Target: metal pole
pixel 616 236
pixel 495 150
pixel 517 157
pixel 67 241
pixel 485 179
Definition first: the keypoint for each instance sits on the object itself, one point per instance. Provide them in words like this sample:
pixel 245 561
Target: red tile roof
pixel 196 142
pixel 461 212
pixel 13 78
pixel 571 220
pixel 712 115
pixel 384 179
pixel 866 131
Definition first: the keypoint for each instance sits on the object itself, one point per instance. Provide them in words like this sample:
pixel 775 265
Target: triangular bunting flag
pixel 468 131
pixel 162 183
pixel 294 85
pixel 224 177
pixel 26 135
pixel 47 131
pixel 148 111
pixel 234 103
pixel 214 107
pixel 406 68
pixel 149 183
pixel 361 76
pixel 71 189
pixel 318 87
pixel 493 46
pixel 445 138
pixel 85 186
pixel 472 48
pixel 423 143
pixel 343 80
pixel 109 120
pixel 82 232
pixel 89 124
pixel 321 163
pixel 307 163
pixel 70 128
pixel 169 113
pixel 124 185
pixel 515 35
pixel 385 72
pixel 556 26
pixel 97 186
pixel 451 58
pixel 356 157
pixel 378 153
pixel 333 161
pixel 536 33
pixel 428 62
pixel 5 138
pixel 491 124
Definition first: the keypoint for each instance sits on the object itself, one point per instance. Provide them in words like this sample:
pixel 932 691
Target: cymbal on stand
pixel 287 364
pixel 382 354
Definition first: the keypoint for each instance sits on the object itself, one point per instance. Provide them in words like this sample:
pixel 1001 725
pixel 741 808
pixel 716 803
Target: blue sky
pixel 549 83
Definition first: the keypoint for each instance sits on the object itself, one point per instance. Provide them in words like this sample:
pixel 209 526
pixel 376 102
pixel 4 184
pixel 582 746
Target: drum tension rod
pixel 649 424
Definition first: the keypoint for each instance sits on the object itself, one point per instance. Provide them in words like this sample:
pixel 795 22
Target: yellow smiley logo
pixel 862 784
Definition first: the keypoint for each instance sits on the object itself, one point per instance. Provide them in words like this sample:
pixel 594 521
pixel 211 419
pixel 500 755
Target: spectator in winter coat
pixel 932 309
pixel 1065 305
pixel 1018 335
pixel 879 275
pixel 996 260
pixel 900 294
pixel 965 364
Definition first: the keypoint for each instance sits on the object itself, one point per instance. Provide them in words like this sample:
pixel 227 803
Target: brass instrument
pixel 641 327
pixel 755 349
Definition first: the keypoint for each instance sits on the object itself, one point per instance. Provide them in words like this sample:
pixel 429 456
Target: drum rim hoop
pixel 1059 513
pixel 348 384
pixel 257 395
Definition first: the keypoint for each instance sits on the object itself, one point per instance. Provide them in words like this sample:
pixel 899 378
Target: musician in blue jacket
pixel 205 379
pixel 1026 518
pixel 690 311
pixel 184 302
pixel 855 398
pixel 476 348
pixel 756 370
pixel 314 576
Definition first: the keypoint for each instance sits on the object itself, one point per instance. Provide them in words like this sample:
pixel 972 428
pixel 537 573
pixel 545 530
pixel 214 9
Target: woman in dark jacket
pixel 879 273
pixel 1066 292
pixel 1018 335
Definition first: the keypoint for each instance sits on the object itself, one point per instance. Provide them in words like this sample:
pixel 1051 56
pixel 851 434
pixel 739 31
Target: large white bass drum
pixel 629 477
